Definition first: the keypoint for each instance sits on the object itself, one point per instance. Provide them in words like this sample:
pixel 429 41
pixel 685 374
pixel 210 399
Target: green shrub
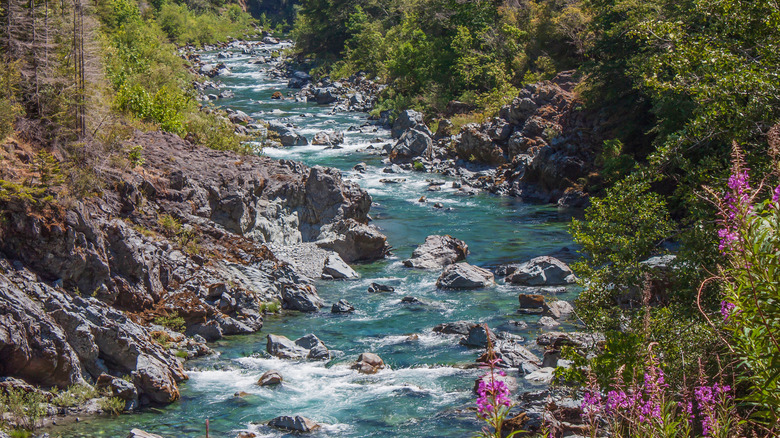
pixel 25 409
pixel 271 307
pixel 112 405
pixel 173 322
pixel 74 395
pixel 170 225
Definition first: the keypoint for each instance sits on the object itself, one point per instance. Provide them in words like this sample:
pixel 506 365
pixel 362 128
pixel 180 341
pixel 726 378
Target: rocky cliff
pixel 184 236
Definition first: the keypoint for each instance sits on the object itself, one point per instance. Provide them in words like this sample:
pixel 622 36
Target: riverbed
pixel 426 390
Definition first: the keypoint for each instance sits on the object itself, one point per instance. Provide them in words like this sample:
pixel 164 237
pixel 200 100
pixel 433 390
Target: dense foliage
pixel 433 51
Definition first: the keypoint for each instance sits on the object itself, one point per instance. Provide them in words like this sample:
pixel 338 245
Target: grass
pixel 271 307
pixel 112 405
pixel 74 395
pixel 24 409
pixel 173 322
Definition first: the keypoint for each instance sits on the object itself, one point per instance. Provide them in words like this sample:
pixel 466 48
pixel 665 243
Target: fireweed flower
pixel 492 395
pixel 707 397
pixel 736 204
pixel 776 195
pixel 726 309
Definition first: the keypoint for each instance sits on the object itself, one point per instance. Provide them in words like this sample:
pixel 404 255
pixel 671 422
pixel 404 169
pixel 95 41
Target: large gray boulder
pixel 464 276
pixel 336 269
pixel 412 144
pixel 477 337
pixel 325 96
pixel 294 424
pixel 455 328
pixel 306 347
pixel 287 135
pixel 355 241
pixel 542 271
pixel 437 252
pixel 301 297
pixel 328 138
pixel 406 120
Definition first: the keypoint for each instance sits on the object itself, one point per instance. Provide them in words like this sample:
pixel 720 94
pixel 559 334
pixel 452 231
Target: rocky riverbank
pixel 88 285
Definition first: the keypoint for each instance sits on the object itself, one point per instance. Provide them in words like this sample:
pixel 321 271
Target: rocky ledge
pixel 182 241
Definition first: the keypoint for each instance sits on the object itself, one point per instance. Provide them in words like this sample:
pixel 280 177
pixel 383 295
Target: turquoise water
pixel 426 391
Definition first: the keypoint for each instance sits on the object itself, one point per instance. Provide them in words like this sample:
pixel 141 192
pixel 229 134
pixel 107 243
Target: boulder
pixel 117 387
pixel 455 328
pixel 376 288
pixel 573 339
pixel 270 378
pixel 547 321
pixel 514 355
pixel 336 269
pixel 287 135
pixel 306 347
pixel 240 117
pixel 343 306
pixel 408 119
pixel 283 348
pixel 532 303
pixel 542 271
pixel 477 337
pixel 476 144
pixel 325 96
pixel 464 276
pixel 412 144
pixel 437 252
pixel 154 380
pixel 317 348
pixel 294 424
pixel 356 241
pixel 138 433
pixel 299 79
pixel 33 346
pixel 328 138
pixel 368 363
pixel 301 297
pixel 411 300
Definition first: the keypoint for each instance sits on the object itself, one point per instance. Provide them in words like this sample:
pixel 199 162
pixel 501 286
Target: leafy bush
pixel 270 307
pixel 74 395
pixel 112 405
pixel 172 321
pixel 25 409
pixel 170 225
pixel 750 309
pixel 620 230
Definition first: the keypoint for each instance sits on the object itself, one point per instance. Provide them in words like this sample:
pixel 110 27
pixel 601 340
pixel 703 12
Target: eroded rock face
pixel 33 346
pixel 437 252
pixel 185 236
pixel 91 338
pixel 464 276
pixel 476 144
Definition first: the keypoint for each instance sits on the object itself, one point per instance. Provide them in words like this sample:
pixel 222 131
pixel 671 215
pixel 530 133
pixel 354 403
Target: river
pixel 427 389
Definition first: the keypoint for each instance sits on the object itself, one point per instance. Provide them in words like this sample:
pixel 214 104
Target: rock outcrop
pixel 184 239
pixel 368 363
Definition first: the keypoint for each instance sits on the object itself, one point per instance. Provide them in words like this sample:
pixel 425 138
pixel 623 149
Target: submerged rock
pixel 437 252
pixel 138 433
pixel 343 306
pixel 376 288
pixel 295 424
pixel 464 276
